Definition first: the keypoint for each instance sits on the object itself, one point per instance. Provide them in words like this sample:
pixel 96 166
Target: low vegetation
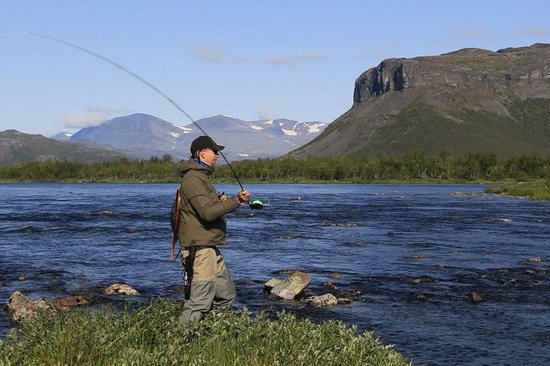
pixel 413 168
pixel 151 336
pixel 536 190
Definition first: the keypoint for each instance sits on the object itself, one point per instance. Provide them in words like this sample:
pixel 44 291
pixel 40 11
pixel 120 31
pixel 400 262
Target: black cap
pixel 204 142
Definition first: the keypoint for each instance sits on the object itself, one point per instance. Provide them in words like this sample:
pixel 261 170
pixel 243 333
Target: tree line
pixel 416 166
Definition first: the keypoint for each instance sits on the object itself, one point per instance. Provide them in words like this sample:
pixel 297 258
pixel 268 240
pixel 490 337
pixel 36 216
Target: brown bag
pixel 175 218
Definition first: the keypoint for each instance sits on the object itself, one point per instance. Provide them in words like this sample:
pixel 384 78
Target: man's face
pixel 209 156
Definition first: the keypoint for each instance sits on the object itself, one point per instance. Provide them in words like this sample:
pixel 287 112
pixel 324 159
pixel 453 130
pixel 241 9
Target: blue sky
pixel 248 59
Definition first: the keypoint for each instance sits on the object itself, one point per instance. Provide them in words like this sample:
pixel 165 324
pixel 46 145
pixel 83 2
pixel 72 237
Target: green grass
pixel 151 336
pixel 423 127
pixel 536 190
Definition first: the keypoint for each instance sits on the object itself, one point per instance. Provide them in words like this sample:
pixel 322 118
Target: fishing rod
pixel 257 204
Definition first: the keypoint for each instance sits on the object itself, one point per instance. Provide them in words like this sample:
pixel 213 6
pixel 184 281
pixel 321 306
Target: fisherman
pixel 202 230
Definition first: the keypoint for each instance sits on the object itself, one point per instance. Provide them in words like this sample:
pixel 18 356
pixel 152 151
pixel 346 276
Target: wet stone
pixel 439 266
pixel 322 301
pixel 22 278
pixel 330 285
pixel 417 256
pixel 70 302
pixel 120 289
pixel 476 298
pixel 296 198
pixel 533 260
pixel 359 244
pixel 28 229
pixel 287 237
pixel 293 286
pixel 21 307
pixel 350 292
pixel 344 300
pixel 336 276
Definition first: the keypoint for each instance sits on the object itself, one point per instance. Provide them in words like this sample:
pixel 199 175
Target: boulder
pixel 268 286
pixel 336 276
pixel 293 286
pixel 121 289
pixel 21 307
pixel 330 285
pixel 70 302
pixel 322 301
pixel 533 260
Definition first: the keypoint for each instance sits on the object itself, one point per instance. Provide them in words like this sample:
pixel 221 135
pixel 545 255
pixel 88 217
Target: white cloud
pixel 91 116
pixel 537 32
pixel 217 53
pixel 266 114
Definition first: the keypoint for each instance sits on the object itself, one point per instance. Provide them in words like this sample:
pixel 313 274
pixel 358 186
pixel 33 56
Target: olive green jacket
pixel 202 221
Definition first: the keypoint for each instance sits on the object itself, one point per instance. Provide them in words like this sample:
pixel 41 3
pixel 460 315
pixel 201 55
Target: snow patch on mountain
pixel 314 128
pixel 184 129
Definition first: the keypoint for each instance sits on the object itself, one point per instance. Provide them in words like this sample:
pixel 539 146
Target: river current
pixel 410 257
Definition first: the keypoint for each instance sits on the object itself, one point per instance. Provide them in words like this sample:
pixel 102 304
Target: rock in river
pixel 323 300
pixel 21 307
pixel 121 289
pixel 291 287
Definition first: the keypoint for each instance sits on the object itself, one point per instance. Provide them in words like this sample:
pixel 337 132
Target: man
pixel 202 230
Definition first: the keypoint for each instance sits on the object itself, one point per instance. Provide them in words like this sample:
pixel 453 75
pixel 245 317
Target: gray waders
pixel 210 286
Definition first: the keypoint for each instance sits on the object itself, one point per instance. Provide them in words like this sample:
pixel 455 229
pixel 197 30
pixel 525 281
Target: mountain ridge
pixel 502 93
pixel 142 135
pixel 18 147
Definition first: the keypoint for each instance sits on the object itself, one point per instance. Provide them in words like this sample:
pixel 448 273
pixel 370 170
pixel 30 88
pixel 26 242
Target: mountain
pixel 17 148
pixel 62 136
pixel 470 100
pixel 142 135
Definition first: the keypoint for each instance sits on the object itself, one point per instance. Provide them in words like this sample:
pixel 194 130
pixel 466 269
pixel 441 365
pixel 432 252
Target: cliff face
pixel 515 68
pixel 468 87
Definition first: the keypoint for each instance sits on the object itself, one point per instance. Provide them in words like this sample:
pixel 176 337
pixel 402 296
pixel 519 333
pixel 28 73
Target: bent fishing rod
pixel 142 80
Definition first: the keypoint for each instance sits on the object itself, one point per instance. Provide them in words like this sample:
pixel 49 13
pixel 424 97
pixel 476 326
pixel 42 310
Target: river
pixel 410 257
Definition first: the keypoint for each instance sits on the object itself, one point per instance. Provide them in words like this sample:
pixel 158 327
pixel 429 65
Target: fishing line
pixel 133 74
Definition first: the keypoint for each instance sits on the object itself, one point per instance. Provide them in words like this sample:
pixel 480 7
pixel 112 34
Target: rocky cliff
pixel 470 100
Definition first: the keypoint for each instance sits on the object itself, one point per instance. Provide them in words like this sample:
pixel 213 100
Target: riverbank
pixel 152 336
pixel 535 190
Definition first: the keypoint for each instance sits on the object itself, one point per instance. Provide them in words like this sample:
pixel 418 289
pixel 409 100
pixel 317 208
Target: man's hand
pixel 243 197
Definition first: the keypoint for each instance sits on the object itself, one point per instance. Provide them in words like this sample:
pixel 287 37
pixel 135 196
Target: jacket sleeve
pixel 199 194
